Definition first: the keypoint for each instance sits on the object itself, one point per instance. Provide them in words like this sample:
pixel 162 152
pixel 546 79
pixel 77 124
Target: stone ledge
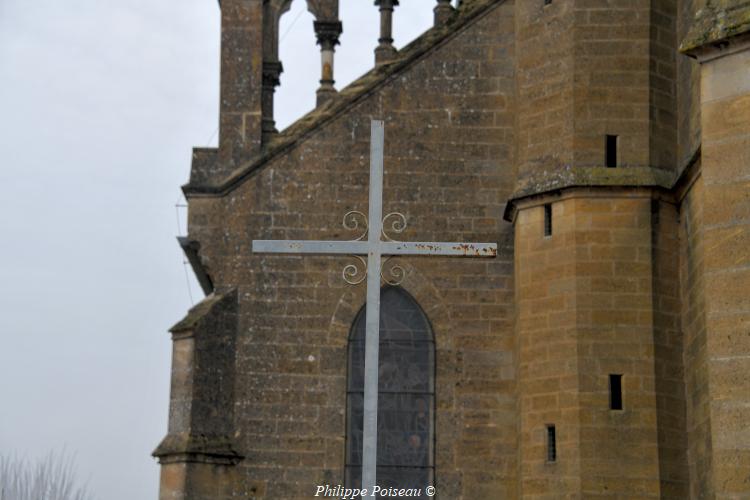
pixel 200 448
pixel 601 177
pixel 715 24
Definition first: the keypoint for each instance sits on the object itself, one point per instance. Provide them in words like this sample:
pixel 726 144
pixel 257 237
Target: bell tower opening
pixel 300 58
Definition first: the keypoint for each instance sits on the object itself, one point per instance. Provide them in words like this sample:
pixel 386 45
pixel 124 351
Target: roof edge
pixel 200 311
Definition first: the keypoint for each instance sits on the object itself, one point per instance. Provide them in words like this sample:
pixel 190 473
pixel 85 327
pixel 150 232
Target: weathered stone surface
pixel 716 23
pixel 725 98
pixel 496 119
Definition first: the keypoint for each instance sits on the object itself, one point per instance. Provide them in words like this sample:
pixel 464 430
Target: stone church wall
pixel 448 167
pixel 592 301
pixel 547 351
pixel 643 274
pixel 694 332
pixel 725 99
pixel 669 368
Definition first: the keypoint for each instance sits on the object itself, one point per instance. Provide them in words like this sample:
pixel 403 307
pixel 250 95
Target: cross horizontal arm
pixel 439 248
pixel 453 249
pixel 311 247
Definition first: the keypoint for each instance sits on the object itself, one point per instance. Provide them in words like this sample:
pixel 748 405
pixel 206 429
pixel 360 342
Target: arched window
pixel 406 397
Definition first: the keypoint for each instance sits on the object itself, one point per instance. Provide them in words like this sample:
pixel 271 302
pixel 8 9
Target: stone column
pixel 328 33
pixel 271 72
pixel 241 57
pixel 443 11
pixel 385 52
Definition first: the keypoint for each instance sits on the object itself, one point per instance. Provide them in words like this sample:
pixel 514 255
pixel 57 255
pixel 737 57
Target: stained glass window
pixel 406 396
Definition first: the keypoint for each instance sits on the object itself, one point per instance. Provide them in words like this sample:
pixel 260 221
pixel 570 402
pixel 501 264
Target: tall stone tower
pixel 602 143
pixel 595 253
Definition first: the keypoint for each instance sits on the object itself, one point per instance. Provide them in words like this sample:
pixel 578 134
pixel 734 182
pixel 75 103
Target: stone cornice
pixel 672 185
pixel 180 448
pixel 715 26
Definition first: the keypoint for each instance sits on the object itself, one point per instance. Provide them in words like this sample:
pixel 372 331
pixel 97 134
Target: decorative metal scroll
pixel 356 273
pixel 398 225
pixel 392 274
pixel 352 221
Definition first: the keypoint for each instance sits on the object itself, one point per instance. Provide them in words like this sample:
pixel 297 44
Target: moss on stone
pixel 719 21
pixel 565 178
pixel 197 313
pixel 561 178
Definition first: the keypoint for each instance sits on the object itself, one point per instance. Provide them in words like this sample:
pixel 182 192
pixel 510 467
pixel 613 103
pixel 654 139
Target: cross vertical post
pixel 372 320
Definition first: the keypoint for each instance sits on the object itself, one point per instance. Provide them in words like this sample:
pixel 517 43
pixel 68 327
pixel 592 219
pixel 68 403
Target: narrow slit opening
pixel 551 444
pixel 548 219
pixel 615 392
pixel 611 151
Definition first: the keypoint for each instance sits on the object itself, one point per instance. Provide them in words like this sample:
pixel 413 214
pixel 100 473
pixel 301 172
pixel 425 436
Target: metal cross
pixel 377 245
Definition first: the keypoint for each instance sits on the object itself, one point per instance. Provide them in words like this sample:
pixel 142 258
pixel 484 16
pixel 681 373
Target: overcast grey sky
pixel 100 104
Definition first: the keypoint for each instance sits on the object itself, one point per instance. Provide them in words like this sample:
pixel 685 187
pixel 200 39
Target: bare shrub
pixel 50 478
